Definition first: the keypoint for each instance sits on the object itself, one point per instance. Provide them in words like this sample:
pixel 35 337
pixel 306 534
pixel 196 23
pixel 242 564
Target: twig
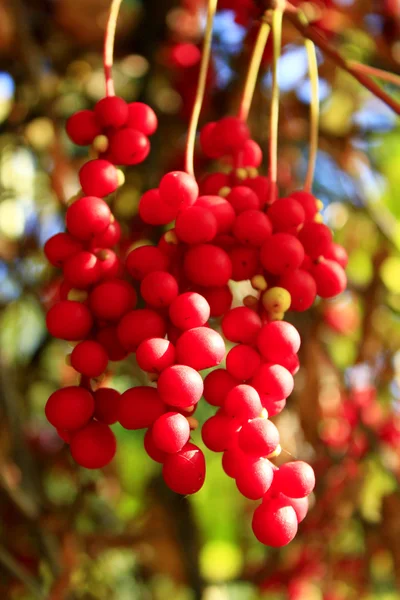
pixel 9 562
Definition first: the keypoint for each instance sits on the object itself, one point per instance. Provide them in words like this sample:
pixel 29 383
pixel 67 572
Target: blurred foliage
pixel 120 534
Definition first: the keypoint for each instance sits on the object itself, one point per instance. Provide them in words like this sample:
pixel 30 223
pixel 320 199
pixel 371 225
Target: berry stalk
pixel 314 113
pixel 108 54
pixel 254 67
pixel 374 72
pixel 274 119
pixel 201 86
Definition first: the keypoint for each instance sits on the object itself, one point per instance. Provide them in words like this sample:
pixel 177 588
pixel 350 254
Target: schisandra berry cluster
pixel 226 231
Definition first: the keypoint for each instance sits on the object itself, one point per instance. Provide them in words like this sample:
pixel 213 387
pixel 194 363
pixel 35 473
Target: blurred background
pixel 120 534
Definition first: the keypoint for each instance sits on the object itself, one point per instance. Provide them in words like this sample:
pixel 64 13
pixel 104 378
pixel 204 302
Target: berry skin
pixel 250 154
pixel 123 297
pixel 337 253
pixel 109 237
pixel 211 184
pixel 301 287
pixel 241 325
pixel 178 189
pixel 155 354
pixel 69 408
pixel 245 262
pixel 154 211
pixel 273 524
pixel 144 260
pixel 82 127
pixel 89 358
pixel 98 177
pixel 221 209
pixel 330 278
pixel 189 310
pixel 207 265
pixel 219 298
pixel 209 141
pixel 60 247
pixel 243 198
pixel 110 264
pixel 231 133
pixel 171 432
pixel 128 147
pixel 254 478
pixel 258 437
pixel 217 385
pixel 252 227
pixel 272 405
pixel 139 325
pixel 243 402
pixel 196 225
pixel 184 472
pixel 111 111
pixel 94 446
pixel 300 505
pixel 295 479
pixel 106 401
pixel 278 339
pixel 276 300
pixel 200 348
pixel 108 338
pixel 273 380
pixel 159 289
pixel 69 320
pixel 139 407
pixel 88 217
pixel 142 117
pixel 308 202
pixel 155 453
pixel 281 253
pixel 316 239
pixel 82 269
pixel 219 432
pixel 286 215
pixel 180 385
pixel 242 362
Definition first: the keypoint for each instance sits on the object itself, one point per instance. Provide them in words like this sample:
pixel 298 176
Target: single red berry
pixel 69 320
pixel 82 269
pixel 282 252
pixel 154 211
pixel 337 253
pixel 295 479
pixel 196 225
pixel 139 325
pixel 316 239
pixel 69 408
pixel 273 380
pixel 278 339
pixel 82 127
pixel 301 287
pixel 232 134
pixel 94 446
pixel 330 278
pixel 112 299
pixel 243 198
pixel 252 227
pixel 200 348
pixel 111 111
pixel 189 310
pixel 60 247
pixel 245 262
pixel 219 432
pixel 144 260
pixel 207 265
pixel 249 155
pixel 106 401
pixel 89 358
pixel 221 209
pixel 242 362
pixel 109 237
pixel 98 177
pixel 286 215
pixel 217 385
pixel 254 478
pixel 241 325
pixel 211 184
pixel 142 117
pixel 139 407
pixel 184 472
pixel 273 524
pixel 178 189
pixel 88 217
pixel 180 385
pixel 243 402
pixel 171 432
pixel 258 437
pixel 155 354
pixel 159 289
pixel 128 147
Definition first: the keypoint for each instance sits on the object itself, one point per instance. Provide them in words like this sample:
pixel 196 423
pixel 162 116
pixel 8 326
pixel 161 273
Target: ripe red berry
pixel 241 324
pixel 155 211
pixel 252 227
pixel 282 252
pixel 211 184
pixel 232 460
pixel 89 358
pixel 260 185
pixel 272 405
pixel 144 260
pixel 108 338
pixel 155 354
pixel 189 310
pixel 258 437
pixel 232 133
pixel 316 239
pixel 245 262
pixel 106 401
pixel 171 432
pixel 112 299
pixel 139 325
pixel 159 289
pixel 200 348
pixel 295 479
pixel 196 225
pixel 109 237
pixel 178 189
pixel 142 117
pixel 254 478
pixel 94 446
pixel 300 505
pixel 184 472
pixel 308 202
pixel 209 141
pixel 330 278
pixel 242 362
pixel 207 265
pixel 82 269
pixel 139 407
pixel 87 217
pixel 128 147
pixel 249 155
pixel 278 339
pixel 69 408
pixel 243 198
pixel 180 385
pixel 286 215
pixel 219 299
pixel 221 209
pixel 98 177
pixel 111 111
pixel 82 127
pixel 217 385
pixel 110 264
pixel 155 453
pixel 219 432
pixel 69 320
pixel 243 402
pixel 273 380
pixel 337 253
pixel 273 524
pixel 301 287
pixel 60 247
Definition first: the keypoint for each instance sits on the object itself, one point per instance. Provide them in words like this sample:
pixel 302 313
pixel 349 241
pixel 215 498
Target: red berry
pixel 155 354
pixel 219 298
pixel 209 141
pixel 211 184
pixel 196 225
pixel 243 198
pixel 286 214
pixel 278 339
pixel 249 155
pixel 185 471
pixel 232 133
pixel 282 252
pixel 200 348
pixel 89 358
pixel 252 227
pixel 60 247
pixel 254 478
pixel 69 320
pixel 273 524
pixel 82 127
pixel 295 479
pixel 142 117
pixel 338 253
pixel 109 237
pixel 82 269
pixel 106 401
pixel 98 177
pixel 139 325
pixel 330 278
pixel 178 189
pixel 273 406
pixel 260 185
pixel 189 310
pixel 87 217
pixel 301 287
pixel 112 299
pixel 300 505
pixel 273 380
pixel 159 289
pixel 94 446
pixel 155 453
pixel 154 211
pixel 242 362
pixel 217 385
pixel 139 407
pixel 221 209
pixel 144 260
pixel 232 460
pixel 243 402
pixel 219 432
pixel 207 265
pixel 258 437
pixel 316 239
pixel 128 147
pixel 110 264
pixel 108 338
pixel 241 325
pixel 69 408
pixel 308 202
pixel 111 111
pixel 180 385
pixel 171 432
pixel 245 262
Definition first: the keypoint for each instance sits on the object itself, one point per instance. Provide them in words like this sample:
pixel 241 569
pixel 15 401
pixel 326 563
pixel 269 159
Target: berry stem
pixel 108 53
pixel 201 86
pixel 374 72
pixel 274 118
pixel 254 67
pixel 314 113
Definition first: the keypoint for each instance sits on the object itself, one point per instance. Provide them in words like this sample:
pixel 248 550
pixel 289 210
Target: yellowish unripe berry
pixel 171 237
pixel 224 191
pixel 318 218
pixel 120 177
pixel 259 283
pixel 276 300
pixel 276 316
pixel 193 423
pixel 77 295
pixel 252 172
pixel 319 203
pixel 241 173
pixel 100 143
